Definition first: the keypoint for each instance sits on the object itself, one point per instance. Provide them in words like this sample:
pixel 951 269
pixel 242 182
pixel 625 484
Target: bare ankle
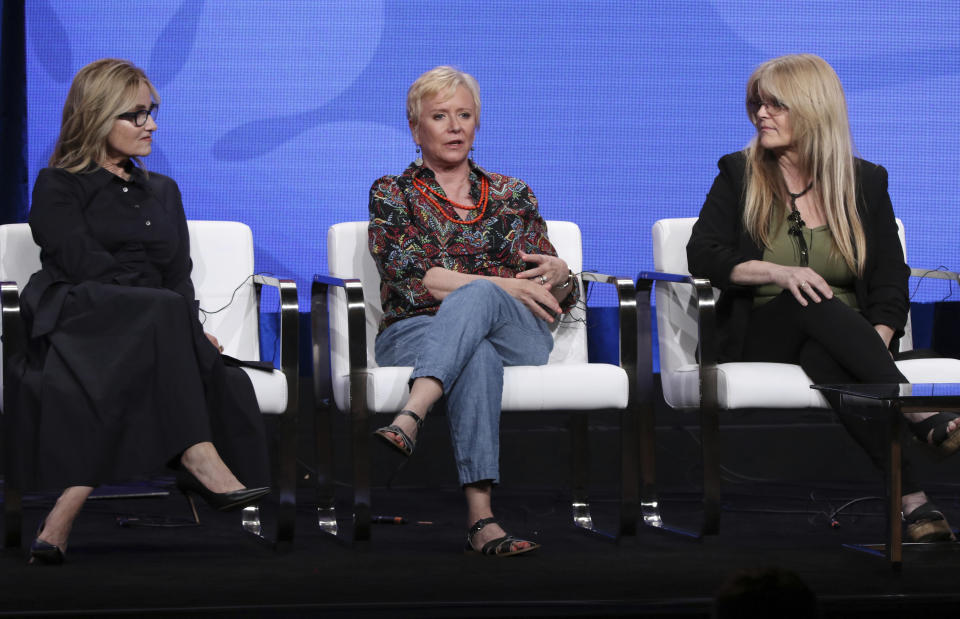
pixel 910 502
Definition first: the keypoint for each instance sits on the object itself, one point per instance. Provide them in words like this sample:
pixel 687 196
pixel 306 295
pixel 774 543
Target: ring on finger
pixel 543 280
pixel 803 285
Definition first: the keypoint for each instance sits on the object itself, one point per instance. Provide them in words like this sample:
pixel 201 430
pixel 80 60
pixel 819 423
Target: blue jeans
pixel 478 330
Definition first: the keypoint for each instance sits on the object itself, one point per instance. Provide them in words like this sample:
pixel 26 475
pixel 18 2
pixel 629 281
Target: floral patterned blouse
pixel 408 236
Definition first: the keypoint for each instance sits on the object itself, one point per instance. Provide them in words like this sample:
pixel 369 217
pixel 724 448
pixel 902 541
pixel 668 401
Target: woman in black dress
pixel 120 378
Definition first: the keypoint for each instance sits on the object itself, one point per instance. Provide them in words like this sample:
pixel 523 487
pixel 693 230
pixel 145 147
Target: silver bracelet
pixel 566 283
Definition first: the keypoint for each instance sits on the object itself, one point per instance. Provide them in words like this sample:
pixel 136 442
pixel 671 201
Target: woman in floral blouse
pixel 470 284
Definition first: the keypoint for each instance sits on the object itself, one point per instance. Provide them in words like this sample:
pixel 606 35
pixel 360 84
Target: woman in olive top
pixel 800 237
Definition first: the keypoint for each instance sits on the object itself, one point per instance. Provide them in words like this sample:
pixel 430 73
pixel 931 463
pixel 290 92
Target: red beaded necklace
pixel 425 191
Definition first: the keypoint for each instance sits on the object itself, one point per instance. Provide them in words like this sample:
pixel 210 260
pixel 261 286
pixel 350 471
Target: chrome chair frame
pixel 284 467
pixel 709 408
pixel 360 431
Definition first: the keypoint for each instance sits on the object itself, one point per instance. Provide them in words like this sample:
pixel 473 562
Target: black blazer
pixel 719 242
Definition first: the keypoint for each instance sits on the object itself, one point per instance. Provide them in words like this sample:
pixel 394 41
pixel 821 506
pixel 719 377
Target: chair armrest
pixel 11 328
pixel 935 274
pixel 706 311
pixel 320 322
pixel 627 312
pixel 289 333
pixel 707 336
pixel 660 276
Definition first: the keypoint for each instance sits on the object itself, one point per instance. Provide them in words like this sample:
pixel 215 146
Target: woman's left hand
pixel 213 340
pixel 548 271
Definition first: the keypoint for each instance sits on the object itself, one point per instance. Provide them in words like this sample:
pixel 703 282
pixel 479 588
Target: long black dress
pixel 119 378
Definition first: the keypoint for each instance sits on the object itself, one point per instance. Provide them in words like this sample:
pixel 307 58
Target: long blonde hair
pixel 811 91
pixel 99 92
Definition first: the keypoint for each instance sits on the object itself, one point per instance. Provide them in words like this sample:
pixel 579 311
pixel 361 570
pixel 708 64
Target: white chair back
pixel 222 254
pixel 677 326
pixel 677 323
pixel 348 257
pixel 19 255
pixel 19 259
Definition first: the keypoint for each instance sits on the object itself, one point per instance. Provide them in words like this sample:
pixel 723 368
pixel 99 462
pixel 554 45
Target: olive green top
pixel 822 255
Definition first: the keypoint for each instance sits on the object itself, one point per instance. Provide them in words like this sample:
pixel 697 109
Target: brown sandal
pixel 928 524
pixel 933 433
pixel 406 444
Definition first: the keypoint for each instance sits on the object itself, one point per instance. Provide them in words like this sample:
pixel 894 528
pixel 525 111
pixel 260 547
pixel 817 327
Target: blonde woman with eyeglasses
pixel 800 237
pixel 119 379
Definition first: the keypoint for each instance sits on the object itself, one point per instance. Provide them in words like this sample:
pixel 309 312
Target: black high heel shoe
pixel 221 501
pixel 44 553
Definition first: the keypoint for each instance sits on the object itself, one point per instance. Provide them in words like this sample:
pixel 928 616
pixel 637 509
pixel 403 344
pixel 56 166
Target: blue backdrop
pixel 281 114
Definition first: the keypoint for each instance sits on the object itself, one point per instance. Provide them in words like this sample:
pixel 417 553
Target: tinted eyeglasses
pixel 774 106
pixel 139 118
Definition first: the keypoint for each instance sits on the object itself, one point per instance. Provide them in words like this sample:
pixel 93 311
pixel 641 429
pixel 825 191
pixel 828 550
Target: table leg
pixel 895 489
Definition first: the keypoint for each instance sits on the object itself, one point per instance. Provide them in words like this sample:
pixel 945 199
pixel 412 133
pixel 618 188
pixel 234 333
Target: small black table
pixel 890 402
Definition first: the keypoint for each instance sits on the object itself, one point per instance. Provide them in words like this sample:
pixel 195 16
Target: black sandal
pixel 928 524
pixel 946 442
pixel 409 444
pixel 505 546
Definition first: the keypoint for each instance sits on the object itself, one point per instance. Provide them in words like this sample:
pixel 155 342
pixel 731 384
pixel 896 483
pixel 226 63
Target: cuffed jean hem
pixel 434 372
pixel 469 475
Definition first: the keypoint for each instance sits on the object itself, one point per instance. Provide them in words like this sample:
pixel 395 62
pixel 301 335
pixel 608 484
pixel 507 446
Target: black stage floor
pixel 418 570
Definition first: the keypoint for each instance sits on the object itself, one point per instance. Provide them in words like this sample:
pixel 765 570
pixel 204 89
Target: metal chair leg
pixel 579 452
pixel 360 444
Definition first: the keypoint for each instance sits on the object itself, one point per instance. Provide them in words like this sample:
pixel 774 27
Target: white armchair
pixel 222 254
pixel 345 316
pixel 686 326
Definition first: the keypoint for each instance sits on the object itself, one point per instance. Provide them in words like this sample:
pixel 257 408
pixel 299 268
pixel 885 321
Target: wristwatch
pixel 566 283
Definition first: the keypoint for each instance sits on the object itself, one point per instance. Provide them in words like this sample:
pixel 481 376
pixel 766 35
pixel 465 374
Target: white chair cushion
pixel 780 385
pixel 551 387
pixel 271 390
pixel 943 370
pixel 746 385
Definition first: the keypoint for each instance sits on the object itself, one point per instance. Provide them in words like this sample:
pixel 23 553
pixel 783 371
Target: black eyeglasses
pixel 796 231
pixel 139 118
pixel 774 106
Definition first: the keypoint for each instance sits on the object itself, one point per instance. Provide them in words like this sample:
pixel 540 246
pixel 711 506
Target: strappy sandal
pixel 406 444
pixel 505 546
pixel 928 524
pixel 946 442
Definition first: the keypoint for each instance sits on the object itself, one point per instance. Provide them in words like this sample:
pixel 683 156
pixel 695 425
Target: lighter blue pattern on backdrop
pixel 281 114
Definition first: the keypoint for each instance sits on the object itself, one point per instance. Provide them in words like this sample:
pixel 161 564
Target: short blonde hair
pixel 99 92
pixel 442 79
pixel 811 91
